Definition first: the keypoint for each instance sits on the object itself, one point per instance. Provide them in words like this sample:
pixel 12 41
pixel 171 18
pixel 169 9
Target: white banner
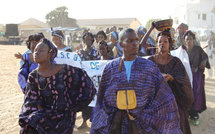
pixel 69 58
pixel 93 68
pixel 183 56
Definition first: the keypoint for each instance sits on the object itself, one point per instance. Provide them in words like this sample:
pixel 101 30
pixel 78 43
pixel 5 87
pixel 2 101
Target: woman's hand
pixel 168 77
pixel 19 56
pixel 152 25
pixel 203 64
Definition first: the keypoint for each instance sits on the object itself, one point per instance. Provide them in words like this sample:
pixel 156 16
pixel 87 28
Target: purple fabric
pixel 54 50
pixel 181 89
pixel 53 109
pixel 199 103
pixel 156 110
pixel 196 57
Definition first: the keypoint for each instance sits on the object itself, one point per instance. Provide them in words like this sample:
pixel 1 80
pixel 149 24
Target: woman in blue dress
pixel 27 58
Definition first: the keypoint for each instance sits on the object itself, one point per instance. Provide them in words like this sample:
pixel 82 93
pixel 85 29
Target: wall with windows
pixel 196 13
pixel 199 15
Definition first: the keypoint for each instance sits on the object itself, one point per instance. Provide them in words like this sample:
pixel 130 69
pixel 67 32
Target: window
pixel 204 16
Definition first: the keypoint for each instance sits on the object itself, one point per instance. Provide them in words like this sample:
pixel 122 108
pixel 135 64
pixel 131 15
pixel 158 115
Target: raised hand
pixel 19 56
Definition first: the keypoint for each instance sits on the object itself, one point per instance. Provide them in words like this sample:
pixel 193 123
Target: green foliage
pixel 59 18
pixel 149 22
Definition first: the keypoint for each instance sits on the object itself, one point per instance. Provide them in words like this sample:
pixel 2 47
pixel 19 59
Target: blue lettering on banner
pixel 62 56
pixel 67 55
pixel 75 58
pixel 96 80
pixel 94 65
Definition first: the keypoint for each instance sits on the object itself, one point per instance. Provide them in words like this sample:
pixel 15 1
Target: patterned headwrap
pixel 115 35
pixel 52 48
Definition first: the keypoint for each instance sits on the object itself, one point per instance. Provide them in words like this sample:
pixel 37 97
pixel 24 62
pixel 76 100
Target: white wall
pixel 190 11
pixel 195 10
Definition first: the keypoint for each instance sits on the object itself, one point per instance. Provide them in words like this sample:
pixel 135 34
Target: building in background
pixel 195 13
pixel 32 26
pixel 198 15
pixel 101 24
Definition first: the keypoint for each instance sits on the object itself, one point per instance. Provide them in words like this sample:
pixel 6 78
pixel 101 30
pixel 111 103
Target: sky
pixel 17 11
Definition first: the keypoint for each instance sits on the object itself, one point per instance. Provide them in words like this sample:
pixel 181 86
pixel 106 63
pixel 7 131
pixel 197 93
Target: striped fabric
pixel 181 89
pixel 156 110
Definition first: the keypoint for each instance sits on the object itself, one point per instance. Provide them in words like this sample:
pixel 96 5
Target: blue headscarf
pixel 115 35
pixel 140 30
pixel 58 33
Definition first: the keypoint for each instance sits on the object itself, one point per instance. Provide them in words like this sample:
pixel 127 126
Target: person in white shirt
pixel 58 39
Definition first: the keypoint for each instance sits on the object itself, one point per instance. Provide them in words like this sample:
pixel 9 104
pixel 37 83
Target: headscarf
pixel 141 30
pixel 115 35
pixel 189 32
pixel 58 33
pixel 52 48
pixel 183 26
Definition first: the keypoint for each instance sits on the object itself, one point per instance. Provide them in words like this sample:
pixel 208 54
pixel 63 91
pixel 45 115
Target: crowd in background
pixel 109 45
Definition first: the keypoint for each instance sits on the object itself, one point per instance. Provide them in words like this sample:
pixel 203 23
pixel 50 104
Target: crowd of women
pixel 55 93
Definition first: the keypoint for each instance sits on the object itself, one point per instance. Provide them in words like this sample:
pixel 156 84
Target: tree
pixel 149 22
pixel 59 18
pixel 213 10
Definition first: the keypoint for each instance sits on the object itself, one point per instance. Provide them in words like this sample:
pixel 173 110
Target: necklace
pixel 38 85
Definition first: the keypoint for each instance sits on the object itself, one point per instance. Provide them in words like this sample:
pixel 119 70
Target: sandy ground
pixel 11 97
